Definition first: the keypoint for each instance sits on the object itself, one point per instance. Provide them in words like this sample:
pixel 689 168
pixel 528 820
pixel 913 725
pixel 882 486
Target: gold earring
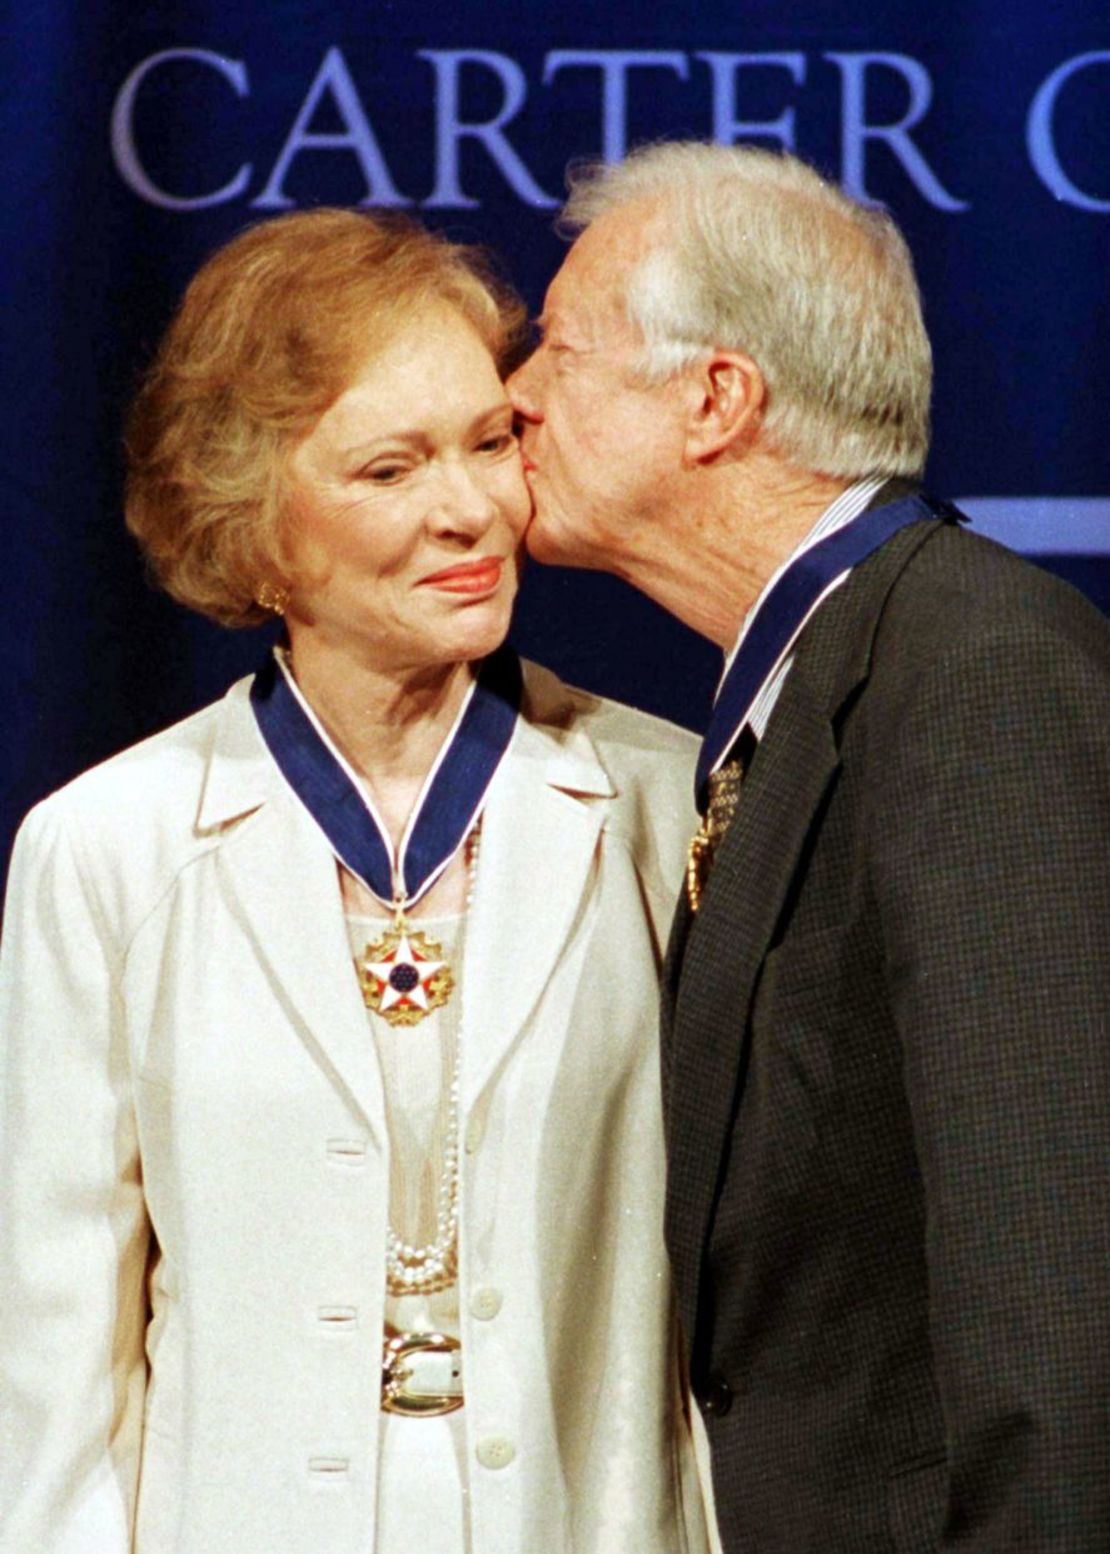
pixel 272 596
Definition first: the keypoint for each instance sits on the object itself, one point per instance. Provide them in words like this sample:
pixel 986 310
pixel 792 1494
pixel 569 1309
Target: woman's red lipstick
pixel 470 577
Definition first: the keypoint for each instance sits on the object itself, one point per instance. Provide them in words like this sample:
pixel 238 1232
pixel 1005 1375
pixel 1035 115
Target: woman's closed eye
pixel 498 442
pixel 386 473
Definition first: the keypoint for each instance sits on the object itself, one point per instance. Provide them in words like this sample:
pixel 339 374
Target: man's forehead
pixel 611 244
pixel 617 235
pixel 588 288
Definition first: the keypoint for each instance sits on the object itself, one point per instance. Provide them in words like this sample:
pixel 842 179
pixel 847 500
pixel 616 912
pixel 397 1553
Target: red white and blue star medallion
pixel 404 976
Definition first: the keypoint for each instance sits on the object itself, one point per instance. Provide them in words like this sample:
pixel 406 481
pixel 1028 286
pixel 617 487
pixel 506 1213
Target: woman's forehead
pixel 433 367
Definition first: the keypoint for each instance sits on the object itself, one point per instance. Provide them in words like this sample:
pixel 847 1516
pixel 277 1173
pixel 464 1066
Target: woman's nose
pixel 465 504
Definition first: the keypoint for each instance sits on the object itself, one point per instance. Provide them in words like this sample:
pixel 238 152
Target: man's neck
pixel 730 531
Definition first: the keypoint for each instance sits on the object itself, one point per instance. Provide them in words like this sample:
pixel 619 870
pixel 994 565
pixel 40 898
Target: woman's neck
pixel 389 724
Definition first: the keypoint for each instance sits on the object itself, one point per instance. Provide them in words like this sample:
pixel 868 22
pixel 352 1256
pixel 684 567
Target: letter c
pixel 126 156
pixel 1040 139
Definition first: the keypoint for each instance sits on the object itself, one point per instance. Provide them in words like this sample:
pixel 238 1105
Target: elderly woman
pixel 331 1141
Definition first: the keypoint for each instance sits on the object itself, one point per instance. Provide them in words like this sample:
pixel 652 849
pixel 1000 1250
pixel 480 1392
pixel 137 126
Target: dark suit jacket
pixel 886 1056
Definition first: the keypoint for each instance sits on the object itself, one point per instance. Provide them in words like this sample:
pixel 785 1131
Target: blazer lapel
pixel 715 958
pixel 542 820
pixel 281 876
pixel 724 950
pixel 539 842
pixel 669 980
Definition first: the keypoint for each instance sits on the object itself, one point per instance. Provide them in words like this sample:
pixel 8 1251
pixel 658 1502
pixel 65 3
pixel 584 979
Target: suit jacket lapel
pixel 669 981
pixel 715 959
pixel 725 946
pixel 281 876
pixel 539 842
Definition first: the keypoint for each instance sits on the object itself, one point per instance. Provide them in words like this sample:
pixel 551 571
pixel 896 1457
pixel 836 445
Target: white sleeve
pixel 73 1227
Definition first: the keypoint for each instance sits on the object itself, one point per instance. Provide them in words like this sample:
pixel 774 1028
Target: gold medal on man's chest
pixel 404 976
pixel 724 795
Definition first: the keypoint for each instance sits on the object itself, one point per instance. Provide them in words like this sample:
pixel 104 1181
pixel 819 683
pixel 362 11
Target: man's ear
pixel 726 407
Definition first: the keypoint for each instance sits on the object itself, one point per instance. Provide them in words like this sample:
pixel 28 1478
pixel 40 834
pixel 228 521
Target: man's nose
pixel 521 387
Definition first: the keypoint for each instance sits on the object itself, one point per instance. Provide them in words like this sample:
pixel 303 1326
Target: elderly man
pixel 886 1020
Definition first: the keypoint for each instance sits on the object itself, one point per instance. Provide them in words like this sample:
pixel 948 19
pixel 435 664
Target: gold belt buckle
pixel 397 1372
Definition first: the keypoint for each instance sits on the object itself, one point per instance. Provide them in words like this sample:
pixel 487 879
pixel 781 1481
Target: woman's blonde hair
pixel 268 334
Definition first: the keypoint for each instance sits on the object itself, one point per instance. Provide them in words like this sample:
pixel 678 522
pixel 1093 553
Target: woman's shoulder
pixel 629 742
pixel 163 769
pixel 129 824
pixel 649 764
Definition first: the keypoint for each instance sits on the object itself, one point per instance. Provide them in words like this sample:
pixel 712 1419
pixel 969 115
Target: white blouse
pixel 416 1063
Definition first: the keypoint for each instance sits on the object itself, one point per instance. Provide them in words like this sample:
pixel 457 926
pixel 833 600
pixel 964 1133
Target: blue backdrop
pixel 138 137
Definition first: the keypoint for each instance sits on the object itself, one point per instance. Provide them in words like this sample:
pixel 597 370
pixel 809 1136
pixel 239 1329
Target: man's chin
pixel 544 543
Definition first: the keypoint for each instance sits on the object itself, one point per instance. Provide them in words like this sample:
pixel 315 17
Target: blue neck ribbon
pixel 449 804
pixel 783 611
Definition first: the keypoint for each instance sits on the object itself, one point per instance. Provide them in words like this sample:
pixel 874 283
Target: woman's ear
pixel 726 409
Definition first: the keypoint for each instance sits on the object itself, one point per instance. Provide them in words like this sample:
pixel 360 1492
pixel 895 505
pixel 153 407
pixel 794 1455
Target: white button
pixel 485 1303
pixel 338 1318
pixel 475 1133
pixel 324 1469
pixel 496 1452
pixel 350 1152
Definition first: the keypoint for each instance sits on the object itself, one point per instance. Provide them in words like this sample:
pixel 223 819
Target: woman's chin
pixel 476 630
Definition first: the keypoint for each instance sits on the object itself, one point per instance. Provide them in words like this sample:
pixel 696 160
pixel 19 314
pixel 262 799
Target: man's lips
pixel 469 577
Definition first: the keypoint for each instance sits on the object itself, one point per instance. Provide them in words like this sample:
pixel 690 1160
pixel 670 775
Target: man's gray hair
pixel 760 254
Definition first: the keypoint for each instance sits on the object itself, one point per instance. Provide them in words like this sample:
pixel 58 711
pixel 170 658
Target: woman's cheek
pixel 521 499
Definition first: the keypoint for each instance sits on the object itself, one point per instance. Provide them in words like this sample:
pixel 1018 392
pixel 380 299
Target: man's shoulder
pixel 940 615
pixel 960 585
pixel 969 625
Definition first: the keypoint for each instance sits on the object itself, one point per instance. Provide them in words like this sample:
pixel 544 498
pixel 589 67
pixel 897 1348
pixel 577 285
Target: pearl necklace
pixel 422 1270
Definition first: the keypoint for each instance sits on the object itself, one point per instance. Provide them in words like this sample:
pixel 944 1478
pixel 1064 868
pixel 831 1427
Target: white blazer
pixel 195 1160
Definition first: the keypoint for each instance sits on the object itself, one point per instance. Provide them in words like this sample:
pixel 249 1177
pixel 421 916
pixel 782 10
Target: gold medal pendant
pixel 404 976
